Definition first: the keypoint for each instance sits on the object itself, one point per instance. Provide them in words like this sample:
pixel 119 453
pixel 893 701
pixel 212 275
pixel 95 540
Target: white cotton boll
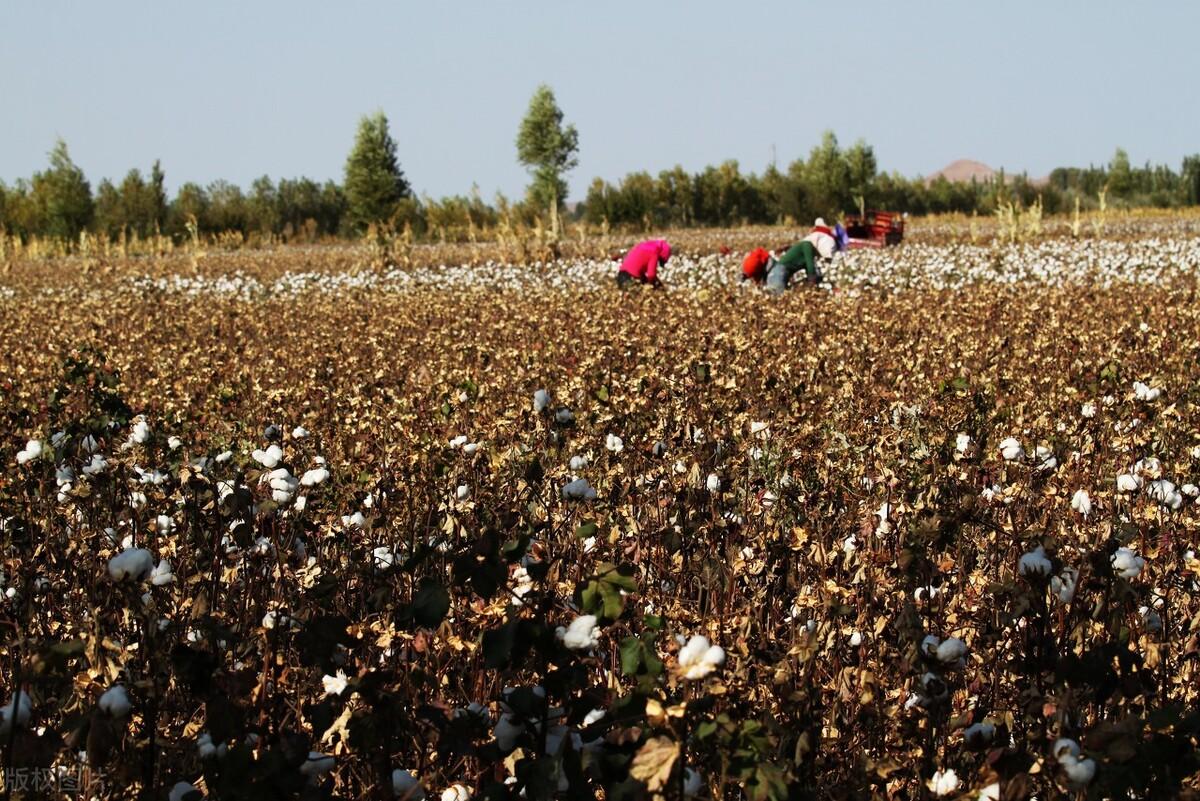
pixel 317 765
pixel 270 458
pixel 384 557
pixel 1081 502
pixel 1063 585
pixel 31 451
pixel 713 483
pixel 164 525
pixel 140 433
pixel 614 443
pixel 507 731
pixel 184 791
pixel 406 786
pixel 1190 490
pixel 1088 410
pixel 856 639
pixel 115 702
pixel 458 442
pixel 1080 772
pixel 1146 393
pixel 581 635
pixel 699 658
pixel 97 465
pixel 593 717
pixel 356 520
pixel 132 564
pixel 1127 564
pixel 15 713
pixel 943 782
pixel 270 620
pixel 1164 492
pixel 1065 747
pixel 850 544
pixel 578 462
pixel 174 443
pixel 89 444
pixel 1128 483
pixel 541 401
pixel 659 449
pixel 1151 619
pixel 223 457
pixel 1011 450
pixel 1035 563
pixel 336 684
pixel 470 448
pixel 1044 458
pixel 462 492
pixel 311 478
pixel 564 416
pixel 962 443
pixel 301 503
pixel 162 574
pixel 579 490
pixel 299 432
pixel 693 784
pixel 206 748
pixel 990 792
pixel 456 792
pixel 951 650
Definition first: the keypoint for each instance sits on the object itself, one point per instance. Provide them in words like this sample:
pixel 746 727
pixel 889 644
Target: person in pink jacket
pixel 642 262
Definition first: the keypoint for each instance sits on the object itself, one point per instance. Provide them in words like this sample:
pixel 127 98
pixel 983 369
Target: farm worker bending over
pixel 754 267
pixel 818 245
pixel 642 262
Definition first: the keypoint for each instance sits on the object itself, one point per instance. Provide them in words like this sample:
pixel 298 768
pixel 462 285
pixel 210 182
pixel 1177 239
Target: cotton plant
pixel 698 658
pixel 583 634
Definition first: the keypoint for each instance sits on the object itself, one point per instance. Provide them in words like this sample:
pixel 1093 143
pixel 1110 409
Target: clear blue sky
pixel 233 90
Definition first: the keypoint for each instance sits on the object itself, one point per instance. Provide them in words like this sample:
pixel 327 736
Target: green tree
pixel 63 196
pixel 548 149
pixel 827 176
pixel 1120 175
pixel 860 162
pixel 374 183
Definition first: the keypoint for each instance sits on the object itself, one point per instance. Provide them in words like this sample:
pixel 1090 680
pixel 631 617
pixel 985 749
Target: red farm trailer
pixel 875 229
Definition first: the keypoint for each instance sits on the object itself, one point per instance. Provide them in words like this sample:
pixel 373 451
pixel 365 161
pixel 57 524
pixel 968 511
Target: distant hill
pixel 965 170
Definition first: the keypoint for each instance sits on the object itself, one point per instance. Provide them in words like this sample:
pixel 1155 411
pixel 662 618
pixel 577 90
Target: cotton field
pixel 309 523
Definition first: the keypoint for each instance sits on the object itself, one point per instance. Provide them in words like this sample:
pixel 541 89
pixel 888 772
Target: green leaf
pixel 587 529
pixel 602 394
pixel 613 601
pixel 631 655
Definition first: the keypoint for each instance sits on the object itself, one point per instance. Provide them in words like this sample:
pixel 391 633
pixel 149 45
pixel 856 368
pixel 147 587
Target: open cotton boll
pixel 174 443
pixel 1127 564
pixel 336 684
pixel 1128 483
pixel 1011 449
pixel 507 731
pixel 311 478
pixel 317 765
pixel 1088 410
pixel 15 714
pixel 614 443
pixel 1063 585
pixel 184 791
pixel 1145 392
pixel 269 458
pixel 713 483
pixel 132 564
pixel 299 432
pixel 943 782
pixel 164 525
pixel 115 702
pixel 1044 458
pixel 456 792
pixel 406 786
pixel 1079 772
pixel 693 784
pixel 1164 492
pixel 140 433
pixel 962 443
pixel 699 658
pixel 541 400
pixel 579 490
pixel 978 735
pixel 162 574
pixel 581 635
pixel 564 416
pixel 951 651
pixel 1081 502
pixel 458 442
pixel 1065 747
pixel 31 451
pixel 462 492
pixel 578 462
pixel 1035 563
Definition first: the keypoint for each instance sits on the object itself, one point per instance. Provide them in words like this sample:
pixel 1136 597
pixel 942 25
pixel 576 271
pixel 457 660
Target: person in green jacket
pixel 821 244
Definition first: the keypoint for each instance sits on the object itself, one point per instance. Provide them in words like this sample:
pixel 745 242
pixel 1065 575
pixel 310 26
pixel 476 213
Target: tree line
pixel 59 202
